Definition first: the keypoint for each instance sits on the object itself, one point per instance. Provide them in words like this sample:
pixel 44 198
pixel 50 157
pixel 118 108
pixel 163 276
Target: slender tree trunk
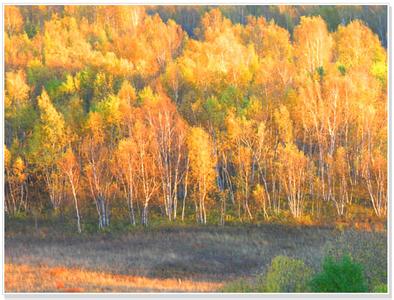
pixel 76 205
pixel 145 213
pixel 131 208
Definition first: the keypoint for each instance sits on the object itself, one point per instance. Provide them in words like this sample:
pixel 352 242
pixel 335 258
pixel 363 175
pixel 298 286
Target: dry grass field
pixel 177 259
pixel 45 279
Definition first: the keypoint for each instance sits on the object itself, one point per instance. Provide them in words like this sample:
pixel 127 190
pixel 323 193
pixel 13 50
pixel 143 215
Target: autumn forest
pixel 195 114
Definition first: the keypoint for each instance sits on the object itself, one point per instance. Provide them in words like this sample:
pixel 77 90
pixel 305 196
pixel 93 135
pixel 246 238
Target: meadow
pixel 183 258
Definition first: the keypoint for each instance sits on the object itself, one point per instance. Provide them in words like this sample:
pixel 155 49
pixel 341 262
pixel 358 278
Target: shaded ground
pixel 201 254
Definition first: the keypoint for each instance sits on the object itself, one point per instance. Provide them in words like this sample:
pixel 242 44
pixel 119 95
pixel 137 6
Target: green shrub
pixel 380 288
pixel 287 275
pixel 366 248
pixel 344 276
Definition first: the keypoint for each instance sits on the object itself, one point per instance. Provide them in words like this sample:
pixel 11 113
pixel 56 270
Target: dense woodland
pixel 204 114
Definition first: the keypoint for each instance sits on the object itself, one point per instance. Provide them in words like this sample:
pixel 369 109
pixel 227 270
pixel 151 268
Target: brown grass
pixel 25 278
pixel 166 259
pixel 207 254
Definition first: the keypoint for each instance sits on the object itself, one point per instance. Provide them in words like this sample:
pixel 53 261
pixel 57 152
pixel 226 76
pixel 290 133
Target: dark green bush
pixel 366 248
pixel 287 275
pixel 344 276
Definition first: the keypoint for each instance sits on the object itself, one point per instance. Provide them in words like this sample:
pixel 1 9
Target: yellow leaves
pixel 340 162
pixel 109 110
pixel 51 122
pixel 14 166
pixel 172 79
pixel 120 18
pixel 71 85
pixel 140 42
pixel 253 31
pixel 69 165
pixel 125 152
pixel 284 124
pixel 64 44
pixel 356 46
pixel 338 103
pixel 365 87
pixel 114 65
pixel 124 163
pixel 69 158
pixel 276 57
pixel 152 103
pixel 94 126
pixel 291 158
pixel 374 164
pixel 379 162
pixel 19 170
pixel 233 127
pixel 47 110
pixel 380 71
pixel 19 50
pixel 13 20
pixel 16 88
pixel 71 10
pixel 127 93
pixel 241 130
pixel 19 167
pixel 213 24
pixel 251 84
pixel 143 135
pixel 202 160
pixel 313 44
pixel 244 160
pixel 260 196
pixel 127 97
pixel 223 59
pixel 35 64
pixel 292 168
pixel 7 157
pixel 261 131
pixel 172 72
pixel 147 95
pixel 273 41
pixel 259 192
pixel 50 135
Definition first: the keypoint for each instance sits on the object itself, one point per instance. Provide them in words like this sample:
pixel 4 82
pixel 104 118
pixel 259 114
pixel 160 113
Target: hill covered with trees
pixel 208 115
